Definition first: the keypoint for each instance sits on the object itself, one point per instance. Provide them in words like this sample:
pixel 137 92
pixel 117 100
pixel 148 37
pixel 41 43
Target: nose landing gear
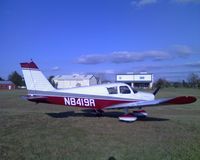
pixel 127 117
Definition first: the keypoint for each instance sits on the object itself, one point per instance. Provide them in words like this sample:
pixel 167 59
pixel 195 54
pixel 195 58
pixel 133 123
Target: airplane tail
pixel 34 78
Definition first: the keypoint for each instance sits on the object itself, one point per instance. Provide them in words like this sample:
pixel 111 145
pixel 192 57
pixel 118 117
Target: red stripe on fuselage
pixel 81 102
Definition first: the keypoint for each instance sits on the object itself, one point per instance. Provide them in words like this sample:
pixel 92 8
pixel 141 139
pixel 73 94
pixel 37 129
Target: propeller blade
pixel 156 91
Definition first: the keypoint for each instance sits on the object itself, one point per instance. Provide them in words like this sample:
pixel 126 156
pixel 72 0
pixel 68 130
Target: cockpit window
pixel 112 90
pixel 124 90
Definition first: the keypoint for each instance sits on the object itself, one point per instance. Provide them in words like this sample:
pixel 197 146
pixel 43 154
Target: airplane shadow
pixel 152 119
pixel 89 113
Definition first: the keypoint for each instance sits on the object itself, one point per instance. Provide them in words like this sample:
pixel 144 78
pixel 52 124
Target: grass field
pixel 42 131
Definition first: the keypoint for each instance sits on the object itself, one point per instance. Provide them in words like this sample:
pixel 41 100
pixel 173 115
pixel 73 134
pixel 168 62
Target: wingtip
pixel 183 100
pixel 192 99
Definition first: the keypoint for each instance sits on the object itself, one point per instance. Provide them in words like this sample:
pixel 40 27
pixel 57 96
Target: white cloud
pixel 156 55
pixel 124 57
pixel 141 3
pixel 91 59
pixel 127 57
pixel 109 71
pixel 186 1
pixel 194 64
pixel 182 50
pixel 55 68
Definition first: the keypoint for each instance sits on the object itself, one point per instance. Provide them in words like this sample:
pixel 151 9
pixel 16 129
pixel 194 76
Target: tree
pixel 16 78
pixel 184 84
pixel 162 83
pixel 1 79
pixel 193 80
pixel 177 84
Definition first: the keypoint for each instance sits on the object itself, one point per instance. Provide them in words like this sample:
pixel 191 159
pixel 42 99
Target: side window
pixel 124 90
pixel 112 90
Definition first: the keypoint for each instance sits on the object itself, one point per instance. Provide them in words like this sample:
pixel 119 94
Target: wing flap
pixel 163 101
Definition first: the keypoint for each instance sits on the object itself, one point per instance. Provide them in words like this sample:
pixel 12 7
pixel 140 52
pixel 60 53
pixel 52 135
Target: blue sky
pixel 109 36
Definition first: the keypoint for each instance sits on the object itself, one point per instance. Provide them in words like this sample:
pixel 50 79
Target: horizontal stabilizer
pixel 37 99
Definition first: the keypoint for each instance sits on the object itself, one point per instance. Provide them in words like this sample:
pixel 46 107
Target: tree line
pixel 16 78
pixel 193 81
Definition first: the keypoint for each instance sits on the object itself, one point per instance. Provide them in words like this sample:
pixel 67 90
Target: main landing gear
pixel 99 112
pixel 140 113
pixel 131 117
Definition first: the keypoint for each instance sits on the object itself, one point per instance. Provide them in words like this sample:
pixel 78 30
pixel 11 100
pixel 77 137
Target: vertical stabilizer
pixel 34 78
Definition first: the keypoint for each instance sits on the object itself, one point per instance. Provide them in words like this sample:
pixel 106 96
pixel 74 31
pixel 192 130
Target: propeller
pixel 156 91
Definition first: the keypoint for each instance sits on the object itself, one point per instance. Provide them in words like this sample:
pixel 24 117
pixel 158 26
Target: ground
pixel 44 131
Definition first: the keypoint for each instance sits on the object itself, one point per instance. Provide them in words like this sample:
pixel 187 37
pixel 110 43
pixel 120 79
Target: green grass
pixel 43 131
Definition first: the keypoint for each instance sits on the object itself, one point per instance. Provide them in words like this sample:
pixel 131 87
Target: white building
pixel 75 80
pixel 136 80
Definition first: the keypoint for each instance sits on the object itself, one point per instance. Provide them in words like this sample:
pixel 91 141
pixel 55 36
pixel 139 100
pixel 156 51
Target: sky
pixel 103 36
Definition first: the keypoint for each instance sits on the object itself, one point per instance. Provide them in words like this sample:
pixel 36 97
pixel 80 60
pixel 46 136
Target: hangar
pixel 7 85
pixel 75 80
pixel 136 80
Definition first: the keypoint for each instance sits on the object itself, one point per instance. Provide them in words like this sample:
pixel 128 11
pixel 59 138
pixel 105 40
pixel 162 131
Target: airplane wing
pixel 156 102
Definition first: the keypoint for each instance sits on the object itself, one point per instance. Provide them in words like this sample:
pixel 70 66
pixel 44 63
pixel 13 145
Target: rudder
pixel 34 78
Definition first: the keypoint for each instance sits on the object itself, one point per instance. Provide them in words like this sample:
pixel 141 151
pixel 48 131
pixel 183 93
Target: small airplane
pixel 97 97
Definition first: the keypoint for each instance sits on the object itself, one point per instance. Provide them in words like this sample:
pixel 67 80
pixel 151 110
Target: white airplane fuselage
pixel 97 96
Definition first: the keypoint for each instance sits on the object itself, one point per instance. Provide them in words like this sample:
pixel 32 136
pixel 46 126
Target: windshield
pixel 124 90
